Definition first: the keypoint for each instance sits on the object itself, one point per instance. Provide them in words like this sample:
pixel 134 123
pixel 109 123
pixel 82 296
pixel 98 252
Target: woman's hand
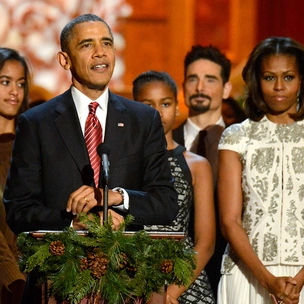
pixel 283 290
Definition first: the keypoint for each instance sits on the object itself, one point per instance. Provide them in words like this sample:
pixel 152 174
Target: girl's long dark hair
pixel 7 54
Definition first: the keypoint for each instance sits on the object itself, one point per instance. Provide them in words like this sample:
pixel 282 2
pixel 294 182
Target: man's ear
pixel 227 89
pixel 63 59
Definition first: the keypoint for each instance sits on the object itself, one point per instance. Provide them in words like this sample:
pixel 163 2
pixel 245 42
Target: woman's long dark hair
pixel 255 106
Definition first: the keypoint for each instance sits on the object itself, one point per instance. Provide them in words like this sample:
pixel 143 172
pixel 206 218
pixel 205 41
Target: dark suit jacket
pixel 207 145
pixel 50 161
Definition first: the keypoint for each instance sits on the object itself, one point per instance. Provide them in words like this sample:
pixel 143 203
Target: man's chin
pixel 199 109
pixel 98 87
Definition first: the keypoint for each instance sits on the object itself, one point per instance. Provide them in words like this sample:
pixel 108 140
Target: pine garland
pixel 105 264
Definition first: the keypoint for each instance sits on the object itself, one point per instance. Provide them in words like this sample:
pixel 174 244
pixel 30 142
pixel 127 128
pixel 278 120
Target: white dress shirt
pixel 82 107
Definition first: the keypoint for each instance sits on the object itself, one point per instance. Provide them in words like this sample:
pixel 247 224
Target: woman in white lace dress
pixel 261 182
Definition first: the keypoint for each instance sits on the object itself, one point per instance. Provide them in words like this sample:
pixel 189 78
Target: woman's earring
pixel 298 101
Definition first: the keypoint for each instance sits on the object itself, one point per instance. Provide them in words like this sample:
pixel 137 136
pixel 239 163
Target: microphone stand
pixel 105 203
pixel 103 151
pixel 106 178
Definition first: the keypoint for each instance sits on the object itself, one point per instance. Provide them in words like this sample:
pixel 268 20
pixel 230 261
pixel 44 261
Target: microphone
pixel 103 150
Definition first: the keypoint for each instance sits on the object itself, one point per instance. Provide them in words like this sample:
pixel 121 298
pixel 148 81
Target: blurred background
pixel 149 34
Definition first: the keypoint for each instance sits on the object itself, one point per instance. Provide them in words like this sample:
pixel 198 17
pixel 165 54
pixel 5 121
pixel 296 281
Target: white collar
pixel 191 130
pixel 82 101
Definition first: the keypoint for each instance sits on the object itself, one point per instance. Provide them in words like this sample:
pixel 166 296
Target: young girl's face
pixel 159 96
pixel 12 82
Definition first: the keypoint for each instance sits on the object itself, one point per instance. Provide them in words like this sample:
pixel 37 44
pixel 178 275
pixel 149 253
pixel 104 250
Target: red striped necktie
pixel 93 137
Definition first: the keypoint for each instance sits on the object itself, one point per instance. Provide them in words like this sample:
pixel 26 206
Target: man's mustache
pixel 201 95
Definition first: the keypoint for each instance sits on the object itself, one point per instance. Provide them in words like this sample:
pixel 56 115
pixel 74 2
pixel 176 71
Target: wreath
pixel 105 265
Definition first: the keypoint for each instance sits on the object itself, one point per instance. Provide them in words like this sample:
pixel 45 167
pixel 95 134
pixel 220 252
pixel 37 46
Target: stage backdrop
pixel 33 27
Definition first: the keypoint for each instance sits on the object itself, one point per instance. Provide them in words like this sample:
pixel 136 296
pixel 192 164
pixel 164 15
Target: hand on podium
pixel 86 197
pixel 117 220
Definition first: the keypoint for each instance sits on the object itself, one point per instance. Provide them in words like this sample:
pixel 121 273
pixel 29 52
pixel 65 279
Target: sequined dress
pixel 273 205
pixel 200 290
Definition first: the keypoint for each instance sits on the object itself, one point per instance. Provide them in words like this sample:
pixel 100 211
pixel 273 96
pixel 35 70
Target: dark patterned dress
pixel 200 291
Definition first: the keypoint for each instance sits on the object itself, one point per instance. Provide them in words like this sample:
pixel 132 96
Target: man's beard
pixel 200 107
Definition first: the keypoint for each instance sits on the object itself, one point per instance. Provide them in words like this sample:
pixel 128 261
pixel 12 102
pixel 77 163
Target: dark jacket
pixel 50 161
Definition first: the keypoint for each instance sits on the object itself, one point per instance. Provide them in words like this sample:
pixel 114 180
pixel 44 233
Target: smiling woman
pixel 14 74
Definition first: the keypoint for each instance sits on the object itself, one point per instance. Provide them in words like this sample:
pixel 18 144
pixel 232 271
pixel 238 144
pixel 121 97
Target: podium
pixel 156 298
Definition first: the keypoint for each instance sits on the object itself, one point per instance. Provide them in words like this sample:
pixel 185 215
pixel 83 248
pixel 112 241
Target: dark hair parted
pixel 67 31
pixel 209 53
pixel 255 106
pixel 152 76
pixel 7 54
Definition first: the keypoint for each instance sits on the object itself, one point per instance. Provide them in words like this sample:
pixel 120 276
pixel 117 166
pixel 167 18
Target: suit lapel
pixel 116 127
pixel 69 129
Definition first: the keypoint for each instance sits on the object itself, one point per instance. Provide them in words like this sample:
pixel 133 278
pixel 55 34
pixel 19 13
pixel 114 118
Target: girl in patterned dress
pixel 193 182
pixel 261 182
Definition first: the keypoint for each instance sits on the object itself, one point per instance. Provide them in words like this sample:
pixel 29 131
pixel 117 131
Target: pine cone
pixel 131 270
pixel 123 260
pixel 84 264
pixel 90 255
pixel 57 248
pixel 166 266
pixel 98 264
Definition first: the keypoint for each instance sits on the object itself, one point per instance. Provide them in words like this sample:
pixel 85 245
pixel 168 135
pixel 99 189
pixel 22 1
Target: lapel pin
pixel 121 124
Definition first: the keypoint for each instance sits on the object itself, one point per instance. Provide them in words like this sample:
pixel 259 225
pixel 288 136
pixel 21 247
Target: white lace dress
pixel 272 158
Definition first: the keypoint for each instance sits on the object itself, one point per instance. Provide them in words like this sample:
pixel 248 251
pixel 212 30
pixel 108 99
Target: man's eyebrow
pixel 211 77
pixel 192 76
pixel 107 39
pixel 85 41
pixel 91 39
pixel 208 76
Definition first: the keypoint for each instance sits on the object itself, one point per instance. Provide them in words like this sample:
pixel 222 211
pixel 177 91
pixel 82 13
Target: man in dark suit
pixel 51 178
pixel 206 84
